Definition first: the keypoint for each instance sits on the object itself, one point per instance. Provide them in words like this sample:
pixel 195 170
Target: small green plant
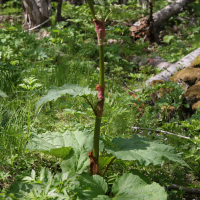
pixel 168 38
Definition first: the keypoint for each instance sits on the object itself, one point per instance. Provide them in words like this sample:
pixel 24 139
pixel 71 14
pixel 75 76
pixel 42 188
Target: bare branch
pixel 91 106
pixel 164 132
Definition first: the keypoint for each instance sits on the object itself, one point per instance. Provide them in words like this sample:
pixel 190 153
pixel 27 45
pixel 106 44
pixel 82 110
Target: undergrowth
pixel 30 65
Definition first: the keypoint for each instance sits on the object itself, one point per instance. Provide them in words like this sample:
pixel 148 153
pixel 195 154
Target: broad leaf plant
pixel 80 149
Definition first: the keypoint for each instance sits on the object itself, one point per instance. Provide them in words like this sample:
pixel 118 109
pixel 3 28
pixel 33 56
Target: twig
pixel 38 25
pixel 95 112
pixel 165 132
pixel 108 165
pixel 187 190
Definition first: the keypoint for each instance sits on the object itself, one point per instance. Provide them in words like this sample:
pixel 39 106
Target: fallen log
pixel 142 28
pixel 181 64
pixel 168 11
pixel 182 188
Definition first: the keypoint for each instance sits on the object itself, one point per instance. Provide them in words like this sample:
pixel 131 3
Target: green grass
pixel 10 11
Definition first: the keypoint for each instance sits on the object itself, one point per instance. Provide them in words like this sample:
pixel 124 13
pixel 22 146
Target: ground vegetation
pixel 49 101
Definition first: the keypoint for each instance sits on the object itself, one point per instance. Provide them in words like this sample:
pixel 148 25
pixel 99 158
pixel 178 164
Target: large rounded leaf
pixel 72 146
pixel 144 151
pixel 51 143
pixel 133 187
pixel 78 159
pixel 71 89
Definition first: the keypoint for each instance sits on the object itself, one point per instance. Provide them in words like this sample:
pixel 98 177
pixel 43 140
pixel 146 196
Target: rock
pixel 140 61
pixel 159 63
pixel 188 75
pixel 192 95
pixel 153 61
pixel 196 62
pixel 156 82
pixel 195 106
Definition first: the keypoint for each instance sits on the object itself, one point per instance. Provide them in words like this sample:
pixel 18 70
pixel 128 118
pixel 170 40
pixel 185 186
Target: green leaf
pixel 168 38
pixel 2 94
pixel 104 160
pixel 71 89
pixel 144 151
pixel 72 146
pixel 51 143
pixel 78 160
pixel 33 174
pixel 82 144
pixel 19 189
pixel 133 187
pixel 42 174
pixel 91 186
pixel 101 2
pixel 102 197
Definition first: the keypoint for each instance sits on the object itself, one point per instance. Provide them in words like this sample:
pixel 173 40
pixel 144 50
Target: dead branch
pixel 159 131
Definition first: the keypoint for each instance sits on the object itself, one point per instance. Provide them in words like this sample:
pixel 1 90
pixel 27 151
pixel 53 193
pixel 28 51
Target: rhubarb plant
pixel 80 149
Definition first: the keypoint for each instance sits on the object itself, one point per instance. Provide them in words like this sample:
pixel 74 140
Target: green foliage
pixel 101 2
pixel 72 90
pixel 55 144
pixel 44 187
pixel 70 55
pixel 143 151
pixel 11 7
pixel 123 188
pixel 2 94
pixel 70 185
pixel 168 38
pixel 91 186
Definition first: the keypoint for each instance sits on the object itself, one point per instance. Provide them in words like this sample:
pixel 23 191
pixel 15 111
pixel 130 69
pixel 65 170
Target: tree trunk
pixel 35 12
pixel 1 2
pixel 76 2
pixel 169 11
pixel 59 8
pixel 141 29
pixel 143 3
pixel 123 2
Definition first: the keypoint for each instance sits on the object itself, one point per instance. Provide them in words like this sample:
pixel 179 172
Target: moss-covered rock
pixel 195 106
pixel 192 95
pixel 196 62
pixel 186 77
pixel 156 82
